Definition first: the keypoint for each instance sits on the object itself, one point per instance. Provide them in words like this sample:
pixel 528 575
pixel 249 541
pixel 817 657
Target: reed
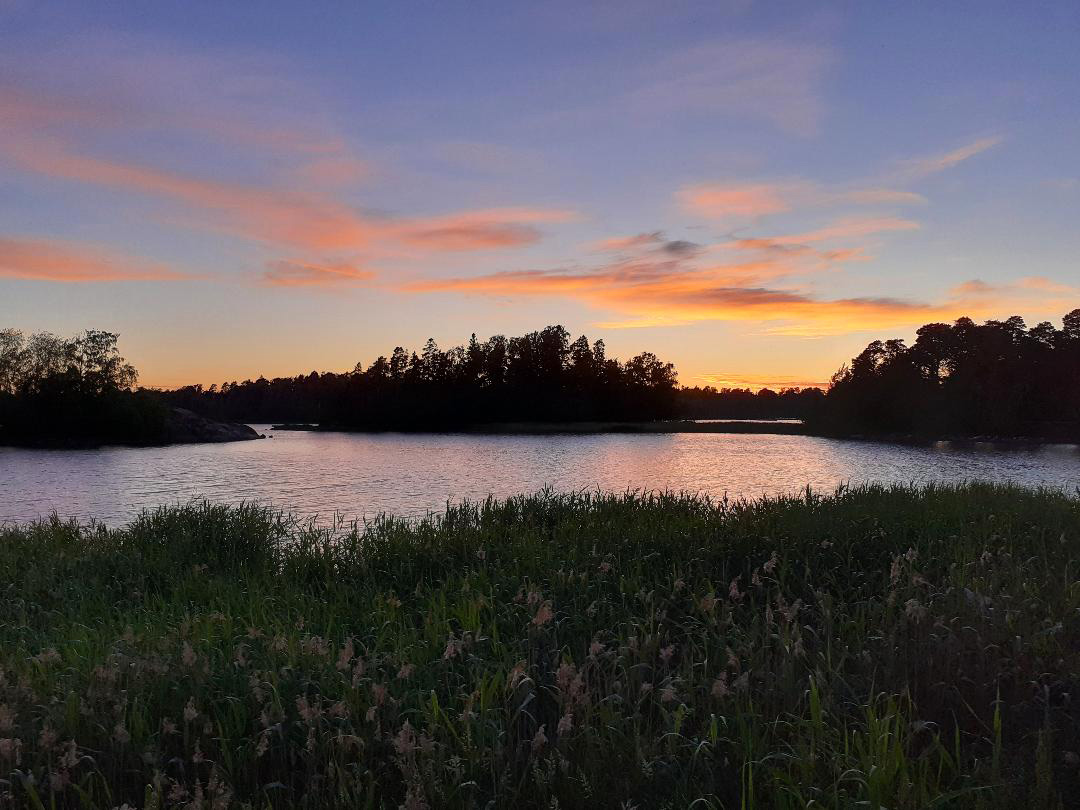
pixel 881 647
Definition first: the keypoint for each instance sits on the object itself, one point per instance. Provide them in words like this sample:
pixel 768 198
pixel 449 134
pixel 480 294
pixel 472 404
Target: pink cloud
pixel 849 228
pixel 672 293
pixel 50 260
pixel 623 243
pixel 653 289
pixel 1026 287
pixel 742 201
pixel 923 167
pixel 298 273
pixel 307 221
pixel 474 230
pixel 881 196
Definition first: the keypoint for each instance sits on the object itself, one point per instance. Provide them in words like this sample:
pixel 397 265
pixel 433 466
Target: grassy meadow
pixel 879 647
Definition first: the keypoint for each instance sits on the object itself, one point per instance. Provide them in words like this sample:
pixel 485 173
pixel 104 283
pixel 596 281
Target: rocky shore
pixel 183 426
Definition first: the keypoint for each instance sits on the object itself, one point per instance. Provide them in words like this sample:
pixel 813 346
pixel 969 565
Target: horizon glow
pixel 751 191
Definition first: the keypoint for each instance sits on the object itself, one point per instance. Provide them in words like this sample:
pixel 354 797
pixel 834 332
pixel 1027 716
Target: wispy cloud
pixel 925 166
pixel 52 260
pixel 847 228
pixel 776 80
pixel 645 286
pixel 476 230
pixel 312 221
pixel 880 196
pixel 739 201
pixel 736 202
pixel 655 294
pixel 1025 288
pixel 271 215
pixel 299 206
pixel 299 273
pixel 649 287
pixel 646 241
pixel 313 157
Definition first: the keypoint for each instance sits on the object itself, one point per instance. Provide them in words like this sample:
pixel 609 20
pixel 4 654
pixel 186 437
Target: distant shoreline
pixel 690 426
pixel 577 428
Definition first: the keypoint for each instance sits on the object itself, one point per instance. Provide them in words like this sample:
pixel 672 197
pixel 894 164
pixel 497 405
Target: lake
pixel 360 475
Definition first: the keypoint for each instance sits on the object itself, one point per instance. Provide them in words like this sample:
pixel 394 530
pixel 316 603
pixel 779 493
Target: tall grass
pixel 880 647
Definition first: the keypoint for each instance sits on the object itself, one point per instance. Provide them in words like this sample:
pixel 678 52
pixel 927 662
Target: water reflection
pixel 364 474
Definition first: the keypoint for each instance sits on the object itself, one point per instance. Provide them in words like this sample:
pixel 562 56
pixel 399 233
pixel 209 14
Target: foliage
pixel 998 378
pixel 709 402
pixel 55 390
pixel 881 647
pixel 540 376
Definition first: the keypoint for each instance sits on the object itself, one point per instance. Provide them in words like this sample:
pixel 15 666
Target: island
pixel 79 392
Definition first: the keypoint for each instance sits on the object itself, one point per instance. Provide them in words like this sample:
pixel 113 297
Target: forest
pixel 64 391
pixel 541 376
pixel 999 378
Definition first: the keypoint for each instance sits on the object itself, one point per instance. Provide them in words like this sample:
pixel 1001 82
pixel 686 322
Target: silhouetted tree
pixel 57 391
pixel 539 376
pixel 709 402
pixel 997 378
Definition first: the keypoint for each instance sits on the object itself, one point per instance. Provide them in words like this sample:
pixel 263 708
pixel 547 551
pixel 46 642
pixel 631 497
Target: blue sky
pixel 751 190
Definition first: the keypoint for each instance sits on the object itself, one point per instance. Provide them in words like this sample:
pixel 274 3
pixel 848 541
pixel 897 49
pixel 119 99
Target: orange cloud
pixel 727 201
pixel 44 260
pixel 848 229
pixel 800 244
pixel 477 230
pixel 298 273
pixel 750 200
pixel 651 285
pixel 1028 287
pixel 738 200
pixel 39 110
pixel 623 243
pixel 270 215
pixel 653 289
pixel 307 222
pixel 672 292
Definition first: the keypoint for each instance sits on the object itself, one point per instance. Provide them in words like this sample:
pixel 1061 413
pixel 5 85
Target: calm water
pixel 362 474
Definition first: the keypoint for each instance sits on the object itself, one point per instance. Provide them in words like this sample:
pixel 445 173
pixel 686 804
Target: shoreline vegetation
pixel 897 647
pixel 766 427
pixel 553 428
pixel 997 381
pixel 79 392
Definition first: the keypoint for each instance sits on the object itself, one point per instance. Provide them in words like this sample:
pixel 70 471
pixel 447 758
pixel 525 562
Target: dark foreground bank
pixel 152 426
pixel 883 647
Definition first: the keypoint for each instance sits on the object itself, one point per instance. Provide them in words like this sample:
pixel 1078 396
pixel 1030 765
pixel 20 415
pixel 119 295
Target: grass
pixel 880 647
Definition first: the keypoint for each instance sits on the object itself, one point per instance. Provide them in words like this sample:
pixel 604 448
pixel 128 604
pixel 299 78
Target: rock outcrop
pixel 183 426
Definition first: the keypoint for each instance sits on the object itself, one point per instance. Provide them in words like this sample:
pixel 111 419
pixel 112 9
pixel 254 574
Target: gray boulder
pixel 183 426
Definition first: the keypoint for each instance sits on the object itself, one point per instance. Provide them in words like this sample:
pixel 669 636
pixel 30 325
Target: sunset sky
pixel 750 190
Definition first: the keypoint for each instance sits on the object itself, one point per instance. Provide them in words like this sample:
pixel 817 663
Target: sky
pixel 751 190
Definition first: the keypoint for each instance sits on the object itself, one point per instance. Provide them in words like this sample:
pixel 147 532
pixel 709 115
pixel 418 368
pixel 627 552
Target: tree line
pixel 540 376
pixel 63 391
pixel 998 378
pixel 709 402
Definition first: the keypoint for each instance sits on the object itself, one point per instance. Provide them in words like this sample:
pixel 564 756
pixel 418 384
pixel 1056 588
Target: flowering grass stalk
pixel 895 647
